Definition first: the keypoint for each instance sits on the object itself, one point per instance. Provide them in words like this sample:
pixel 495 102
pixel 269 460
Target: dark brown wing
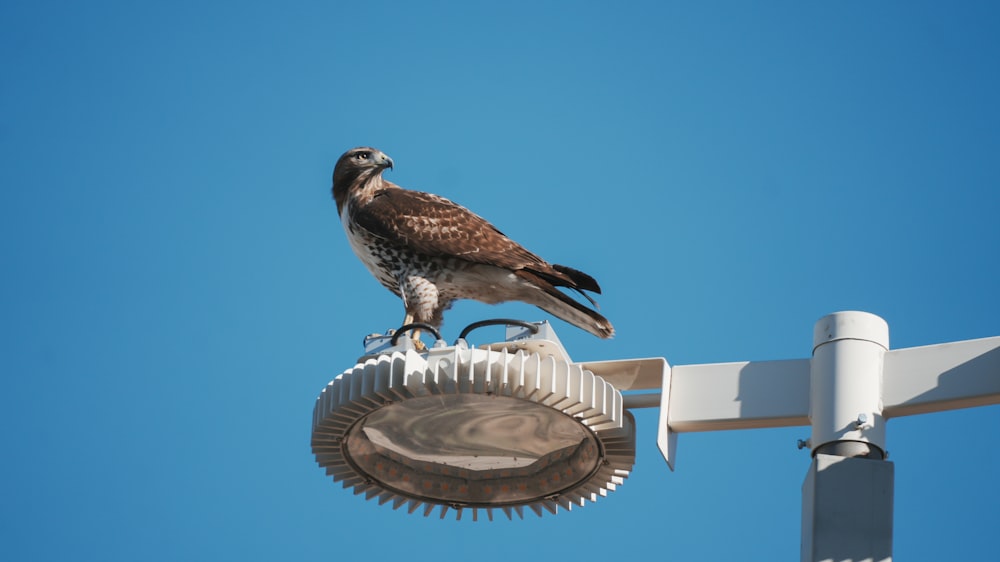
pixel 435 226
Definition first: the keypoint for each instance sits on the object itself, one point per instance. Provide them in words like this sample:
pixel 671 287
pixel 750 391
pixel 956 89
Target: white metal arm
pixel 760 394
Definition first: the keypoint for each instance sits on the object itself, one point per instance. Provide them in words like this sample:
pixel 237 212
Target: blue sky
pixel 177 288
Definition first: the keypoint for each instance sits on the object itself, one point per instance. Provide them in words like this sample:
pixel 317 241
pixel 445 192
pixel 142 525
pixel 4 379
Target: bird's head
pixel 355 168
pixel 358 162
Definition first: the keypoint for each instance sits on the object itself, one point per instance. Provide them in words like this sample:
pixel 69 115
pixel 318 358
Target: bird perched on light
pixel 431 252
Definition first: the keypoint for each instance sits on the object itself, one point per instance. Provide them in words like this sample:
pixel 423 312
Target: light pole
pixel 518 424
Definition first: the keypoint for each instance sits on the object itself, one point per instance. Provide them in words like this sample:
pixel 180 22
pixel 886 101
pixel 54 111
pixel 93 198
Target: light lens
pixel 473 449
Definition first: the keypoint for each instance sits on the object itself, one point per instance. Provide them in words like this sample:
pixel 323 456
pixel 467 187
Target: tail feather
pixel 555 302
pixel 581 279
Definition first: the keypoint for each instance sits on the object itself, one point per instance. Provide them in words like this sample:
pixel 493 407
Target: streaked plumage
pixel 431 252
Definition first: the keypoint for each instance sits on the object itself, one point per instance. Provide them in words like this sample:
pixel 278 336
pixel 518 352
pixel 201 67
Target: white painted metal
pixel 630 374
pixel 750 394
pixel 642 400
pixel 847 510
pixel 946 376
pixel 544 342
pixel 847 500
pixel 745 395
pixel 758 394
pixel 845 382
pixel 845 391
pixel 520 388
pixel 666 440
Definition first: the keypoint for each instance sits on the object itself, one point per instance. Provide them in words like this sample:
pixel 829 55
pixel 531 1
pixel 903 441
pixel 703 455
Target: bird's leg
pixel 415 334
pixel 417 342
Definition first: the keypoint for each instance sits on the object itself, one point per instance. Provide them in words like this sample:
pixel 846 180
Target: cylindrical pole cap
pixel 851 325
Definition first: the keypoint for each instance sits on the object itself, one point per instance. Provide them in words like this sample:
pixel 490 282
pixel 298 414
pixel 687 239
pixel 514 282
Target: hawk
pixel 431 252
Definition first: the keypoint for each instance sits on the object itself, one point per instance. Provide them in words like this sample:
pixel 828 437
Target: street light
pixel 518 424
pixel 511 426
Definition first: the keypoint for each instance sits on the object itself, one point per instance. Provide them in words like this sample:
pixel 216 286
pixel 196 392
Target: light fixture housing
pixel 510 426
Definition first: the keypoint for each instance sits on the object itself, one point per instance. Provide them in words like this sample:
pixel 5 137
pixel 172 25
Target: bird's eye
pixel 363 156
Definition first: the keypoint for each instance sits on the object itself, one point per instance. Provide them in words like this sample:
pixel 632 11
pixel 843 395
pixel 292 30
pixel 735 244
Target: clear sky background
pixel 177 288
